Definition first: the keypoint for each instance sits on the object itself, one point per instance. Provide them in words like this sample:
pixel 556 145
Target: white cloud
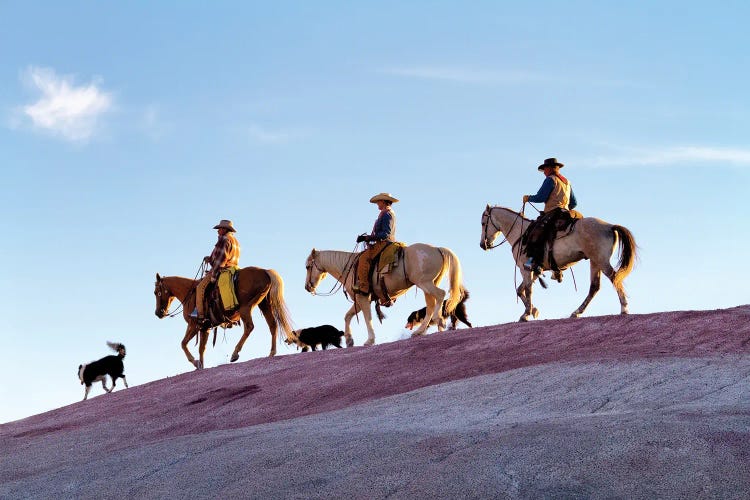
pixel 492 77
pixel 261 134
pixel 674 155
pixel 63 108
pixel 465 75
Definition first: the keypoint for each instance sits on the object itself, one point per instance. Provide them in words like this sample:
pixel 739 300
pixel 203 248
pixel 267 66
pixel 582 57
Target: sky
pixel 128 130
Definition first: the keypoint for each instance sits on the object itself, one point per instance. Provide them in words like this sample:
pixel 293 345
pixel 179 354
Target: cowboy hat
pixel 383 197
pixel 225 224
pixel 550 162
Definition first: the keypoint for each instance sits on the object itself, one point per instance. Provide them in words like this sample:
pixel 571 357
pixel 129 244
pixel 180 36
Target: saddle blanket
pixel 226 288
pixel 389 257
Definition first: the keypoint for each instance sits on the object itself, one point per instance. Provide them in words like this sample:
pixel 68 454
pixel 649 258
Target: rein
pixel 505 234
pixel 338 285
pixel 201 272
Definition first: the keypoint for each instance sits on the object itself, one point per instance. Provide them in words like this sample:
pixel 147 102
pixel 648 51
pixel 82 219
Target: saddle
pixel 220 300
pixel 384 263
pixel 548 228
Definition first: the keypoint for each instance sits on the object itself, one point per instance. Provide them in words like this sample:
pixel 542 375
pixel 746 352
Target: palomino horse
pixel 591 238
pixel 422 265
pixel 255 287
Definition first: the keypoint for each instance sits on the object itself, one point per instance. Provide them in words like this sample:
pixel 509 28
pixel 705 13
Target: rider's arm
pixel 572 203
pixel 383 227
pixel 544 191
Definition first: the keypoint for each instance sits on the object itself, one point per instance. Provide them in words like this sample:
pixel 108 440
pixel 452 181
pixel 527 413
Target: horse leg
pixel 363 303
pixel 247 322
pixel 265 308
pixel 202 342
pixel 347 325
pixel 596 278
pixel 433 297
pixel 189 334
pixel 524 292
pixel 610 273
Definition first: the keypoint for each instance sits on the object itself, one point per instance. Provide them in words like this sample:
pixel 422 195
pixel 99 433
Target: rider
pixel 557 196
pixel 383 232
pixel 226 253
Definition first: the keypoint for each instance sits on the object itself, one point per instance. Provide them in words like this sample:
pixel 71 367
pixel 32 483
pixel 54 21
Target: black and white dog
pixel 323 335
pixel 459 314
pixel 88 373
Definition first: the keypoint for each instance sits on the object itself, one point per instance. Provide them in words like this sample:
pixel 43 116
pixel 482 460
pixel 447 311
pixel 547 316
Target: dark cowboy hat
pixel 550 162
pixel 225 224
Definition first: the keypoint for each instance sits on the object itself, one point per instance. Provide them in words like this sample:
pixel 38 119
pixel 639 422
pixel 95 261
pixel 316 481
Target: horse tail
pixel 628 254
pixel 456 278
pixel 278 306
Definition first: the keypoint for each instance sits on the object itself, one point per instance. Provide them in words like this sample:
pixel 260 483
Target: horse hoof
pixel 234 357
pixel 523 319
pixel 369 342
pixel 535 313
pixel 575 315
pixel 197 364
pixel 349 342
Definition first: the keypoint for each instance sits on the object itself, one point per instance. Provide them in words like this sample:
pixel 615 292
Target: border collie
pixel 416 317
pixel 323 335
pixel 88 373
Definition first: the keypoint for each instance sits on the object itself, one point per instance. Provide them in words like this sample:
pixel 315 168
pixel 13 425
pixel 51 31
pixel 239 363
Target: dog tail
pixel 117 347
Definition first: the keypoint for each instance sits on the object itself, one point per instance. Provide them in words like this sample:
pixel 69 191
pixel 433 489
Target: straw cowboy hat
pixel 225 224
pixel 383 197
pixel 550 162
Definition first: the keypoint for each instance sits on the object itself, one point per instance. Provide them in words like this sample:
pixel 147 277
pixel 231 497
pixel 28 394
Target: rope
pixel 201 271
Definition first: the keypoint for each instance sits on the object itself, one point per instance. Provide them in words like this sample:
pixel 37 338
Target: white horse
pixel 590 238
pixel 421 265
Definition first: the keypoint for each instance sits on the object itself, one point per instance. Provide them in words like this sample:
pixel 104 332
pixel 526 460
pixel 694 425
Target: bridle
pixel 487 219
pixel 161 288
pixel 337 285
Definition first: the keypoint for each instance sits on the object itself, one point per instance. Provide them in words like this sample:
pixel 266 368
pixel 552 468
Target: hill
pixel 637 406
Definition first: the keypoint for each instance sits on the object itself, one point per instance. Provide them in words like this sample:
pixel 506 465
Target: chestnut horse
pixel 590 238
pixel 422 266
pixel 255 287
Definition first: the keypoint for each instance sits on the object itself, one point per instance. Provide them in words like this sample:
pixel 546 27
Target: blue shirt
pixel 385 226
pixel 544 191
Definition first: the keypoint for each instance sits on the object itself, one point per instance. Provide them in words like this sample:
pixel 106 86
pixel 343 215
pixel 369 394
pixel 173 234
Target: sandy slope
pixel 614 406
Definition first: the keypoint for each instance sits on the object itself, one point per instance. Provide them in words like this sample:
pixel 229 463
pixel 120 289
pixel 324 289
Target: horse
pixel 590 238
pixel 422 266
pixel 255 287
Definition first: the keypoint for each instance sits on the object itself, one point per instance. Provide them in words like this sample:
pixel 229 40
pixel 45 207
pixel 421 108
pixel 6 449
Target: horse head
pixel 163 296
pixel 314 273
pixel 489 229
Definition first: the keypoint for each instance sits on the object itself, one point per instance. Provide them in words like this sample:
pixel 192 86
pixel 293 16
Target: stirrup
pixel 194 314
pixel 529 264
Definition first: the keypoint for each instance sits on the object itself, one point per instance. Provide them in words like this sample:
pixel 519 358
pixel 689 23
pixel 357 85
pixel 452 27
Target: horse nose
pixel 482 245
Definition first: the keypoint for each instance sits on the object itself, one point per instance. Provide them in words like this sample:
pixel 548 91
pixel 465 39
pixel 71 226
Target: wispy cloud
pixel 671 156
pixel 266 136
pixel 464 75
pixel 153 124
pixel 457 74
pixel 63 108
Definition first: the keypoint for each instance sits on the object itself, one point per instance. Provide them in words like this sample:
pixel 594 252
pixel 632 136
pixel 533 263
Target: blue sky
pixel 130 129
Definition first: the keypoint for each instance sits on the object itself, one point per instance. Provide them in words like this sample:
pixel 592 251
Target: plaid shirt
pixel 226 253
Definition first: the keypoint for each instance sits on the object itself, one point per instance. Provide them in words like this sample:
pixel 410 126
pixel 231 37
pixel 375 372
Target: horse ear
pixel 313 252
pixel 158 278
pixel 488 206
